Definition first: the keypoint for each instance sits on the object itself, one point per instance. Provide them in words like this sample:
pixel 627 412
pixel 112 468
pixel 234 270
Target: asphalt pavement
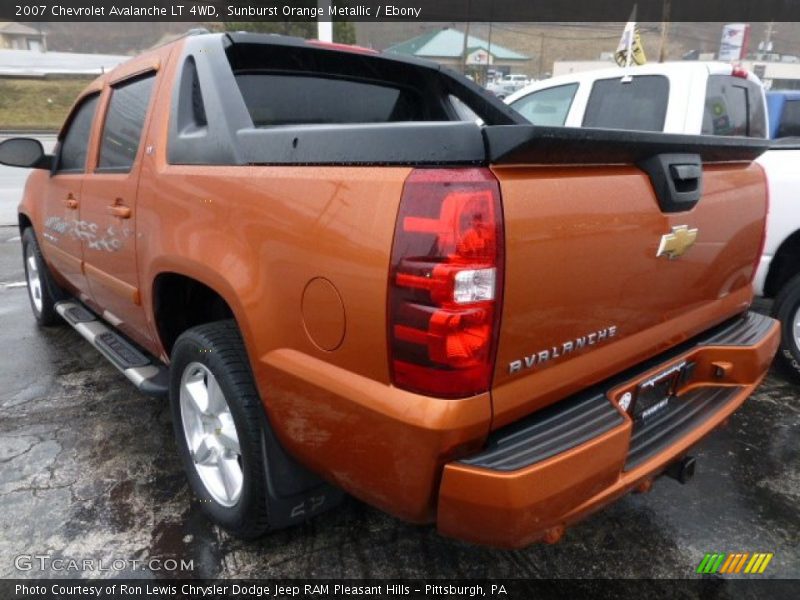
pixel 88 470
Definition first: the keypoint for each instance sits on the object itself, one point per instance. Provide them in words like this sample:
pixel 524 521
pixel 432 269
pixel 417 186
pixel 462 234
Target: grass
pixel 37 104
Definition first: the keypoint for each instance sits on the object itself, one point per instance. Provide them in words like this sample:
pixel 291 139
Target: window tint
pixel 790 120
pixel 733 107
pixel 638 103
pixel 124 123
pixel 75 143
pixel 298 100
pixel 191 108
pixel 547 107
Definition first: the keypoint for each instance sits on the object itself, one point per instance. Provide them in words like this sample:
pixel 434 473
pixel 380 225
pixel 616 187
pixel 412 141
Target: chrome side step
pixel 149 377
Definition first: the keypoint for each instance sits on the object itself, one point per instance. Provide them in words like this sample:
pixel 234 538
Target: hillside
pixel 544 42
pixel 548 42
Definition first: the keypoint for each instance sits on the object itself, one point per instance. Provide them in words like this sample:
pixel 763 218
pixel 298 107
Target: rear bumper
pixel 558 465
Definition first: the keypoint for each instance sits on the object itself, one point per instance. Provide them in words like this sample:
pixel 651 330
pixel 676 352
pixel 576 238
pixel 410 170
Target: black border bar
pixel 429 589
pixel 401 10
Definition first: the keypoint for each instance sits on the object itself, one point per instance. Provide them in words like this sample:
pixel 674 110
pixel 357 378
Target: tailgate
pixel 602 271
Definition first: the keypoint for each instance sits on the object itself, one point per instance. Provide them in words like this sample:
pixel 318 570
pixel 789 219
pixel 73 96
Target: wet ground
pixel 88 470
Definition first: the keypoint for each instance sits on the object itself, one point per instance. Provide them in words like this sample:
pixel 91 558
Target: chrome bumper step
pixel 148 376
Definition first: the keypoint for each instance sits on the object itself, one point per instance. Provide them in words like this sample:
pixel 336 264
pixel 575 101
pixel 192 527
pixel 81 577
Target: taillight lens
pixel 740 72
pixel 445 282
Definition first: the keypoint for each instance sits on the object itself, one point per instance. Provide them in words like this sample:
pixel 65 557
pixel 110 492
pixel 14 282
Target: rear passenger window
pixel 274 100
pixel 124 123
pixel 548 107
pixel 734 107
pixel 635 103
pixel 790 120
pixel 75 143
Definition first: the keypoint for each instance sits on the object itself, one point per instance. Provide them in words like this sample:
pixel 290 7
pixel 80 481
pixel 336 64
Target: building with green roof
pixel 446 46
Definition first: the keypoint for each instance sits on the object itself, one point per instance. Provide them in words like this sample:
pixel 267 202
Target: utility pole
pixel 489 54
pixel 464 49
pixel 466 37
pixel 662 51
pixel 541 56
pixel 769 34
pixel 324 23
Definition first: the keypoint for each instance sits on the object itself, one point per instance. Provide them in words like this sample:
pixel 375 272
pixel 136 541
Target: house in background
pixel 15 36
pixel 446 46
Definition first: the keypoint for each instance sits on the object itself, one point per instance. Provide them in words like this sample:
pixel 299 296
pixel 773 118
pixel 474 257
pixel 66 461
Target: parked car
pixel 711 99
pixel 339 285
pixel 509 84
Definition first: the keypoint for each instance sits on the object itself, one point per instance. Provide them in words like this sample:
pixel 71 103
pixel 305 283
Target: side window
pixel 124 123
pixel 308 99
pixel 638 103
pixel 733 108
pixel 75 143
pixel 548 107
pixel 790 120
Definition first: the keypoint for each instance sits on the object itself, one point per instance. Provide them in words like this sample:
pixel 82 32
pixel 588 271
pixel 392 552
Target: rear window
pixel 790 120
pixel 734 107
pixel 548 107
pixel 636 103
pixel 274 100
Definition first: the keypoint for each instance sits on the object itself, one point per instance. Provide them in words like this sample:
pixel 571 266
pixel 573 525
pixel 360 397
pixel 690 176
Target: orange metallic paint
pixel 514 509
pixel 384 445
pixel 604 222
pixel 258 235
pixel 324 316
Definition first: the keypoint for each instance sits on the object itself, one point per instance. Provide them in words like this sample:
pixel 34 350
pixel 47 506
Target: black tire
pixel 47 292
pixel 219 347
pixel 786 309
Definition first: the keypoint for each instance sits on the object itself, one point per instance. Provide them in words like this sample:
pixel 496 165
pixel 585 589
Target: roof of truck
pixel 667 68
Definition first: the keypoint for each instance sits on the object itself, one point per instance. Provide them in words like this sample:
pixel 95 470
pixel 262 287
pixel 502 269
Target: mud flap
pixel 295 494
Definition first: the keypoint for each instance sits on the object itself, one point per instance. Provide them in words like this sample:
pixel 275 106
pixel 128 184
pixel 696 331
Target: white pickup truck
pixel 694 98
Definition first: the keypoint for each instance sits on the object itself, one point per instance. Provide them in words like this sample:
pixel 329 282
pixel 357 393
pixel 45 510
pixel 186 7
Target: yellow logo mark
pixel 675 244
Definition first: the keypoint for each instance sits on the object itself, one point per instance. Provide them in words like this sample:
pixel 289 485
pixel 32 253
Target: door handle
pixel 677 180
pixel 71 202
pixel 686 172
pixel 120 210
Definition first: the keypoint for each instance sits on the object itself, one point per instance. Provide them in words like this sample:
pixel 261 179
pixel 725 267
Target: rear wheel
pixel 787 309
pixel 218 421
pixel 43 292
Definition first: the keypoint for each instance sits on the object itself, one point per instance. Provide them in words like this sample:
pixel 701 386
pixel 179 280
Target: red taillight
pixel 445 282
pixel 740 72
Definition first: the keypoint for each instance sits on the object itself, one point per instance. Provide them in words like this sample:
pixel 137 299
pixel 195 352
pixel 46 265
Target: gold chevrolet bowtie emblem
pixel 676 243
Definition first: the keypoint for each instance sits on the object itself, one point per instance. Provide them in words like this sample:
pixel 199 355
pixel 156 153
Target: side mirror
pixel 27 153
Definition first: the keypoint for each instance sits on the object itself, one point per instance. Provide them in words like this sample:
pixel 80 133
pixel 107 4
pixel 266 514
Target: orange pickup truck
pixel 353 271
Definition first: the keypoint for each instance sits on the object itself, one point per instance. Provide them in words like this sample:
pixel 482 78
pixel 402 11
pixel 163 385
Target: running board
pixel 150 378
